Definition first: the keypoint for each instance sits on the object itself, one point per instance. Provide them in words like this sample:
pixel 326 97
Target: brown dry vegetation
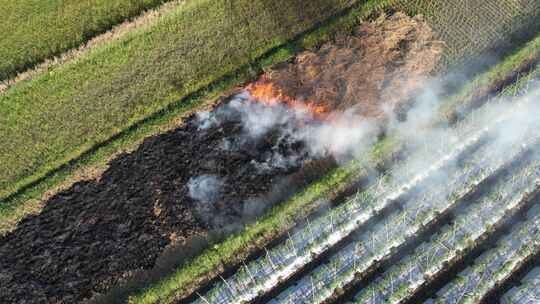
pixel 382 65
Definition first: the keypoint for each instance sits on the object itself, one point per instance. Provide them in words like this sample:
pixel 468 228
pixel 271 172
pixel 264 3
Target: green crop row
pixel 470 227
pixel 494 266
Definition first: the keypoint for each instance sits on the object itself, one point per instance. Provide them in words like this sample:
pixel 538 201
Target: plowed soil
pixel 93 235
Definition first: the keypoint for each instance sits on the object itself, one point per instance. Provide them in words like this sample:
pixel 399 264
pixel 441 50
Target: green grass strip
pixel 522 83
pixel 34 30
pixel 507 71
pixel 284 216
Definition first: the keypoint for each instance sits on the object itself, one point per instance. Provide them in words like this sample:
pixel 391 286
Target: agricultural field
pixel 82 104
pixel 33 31
pixel 469 37
pixel 328 151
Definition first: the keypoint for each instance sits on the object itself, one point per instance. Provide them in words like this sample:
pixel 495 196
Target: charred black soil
pixel 92 235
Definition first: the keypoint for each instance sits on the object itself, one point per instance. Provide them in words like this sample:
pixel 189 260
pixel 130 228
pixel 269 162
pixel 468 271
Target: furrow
pixel 528 292
pixel 495 265
pixel 474 225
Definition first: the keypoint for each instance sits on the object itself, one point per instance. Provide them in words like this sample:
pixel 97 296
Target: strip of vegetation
pixel 485 274
pixel 232 251
pixel 429 262
pixel 508 71
pixel 33 31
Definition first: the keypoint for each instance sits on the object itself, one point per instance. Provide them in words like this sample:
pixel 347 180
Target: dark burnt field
pixel 211 174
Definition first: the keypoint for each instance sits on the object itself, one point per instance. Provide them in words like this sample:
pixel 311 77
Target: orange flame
pixel 266 93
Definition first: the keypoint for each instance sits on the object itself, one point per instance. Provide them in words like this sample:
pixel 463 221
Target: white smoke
pixel 206 120
pixel 257 118
pixel 346 134
pixel 427 141
pixel 205 188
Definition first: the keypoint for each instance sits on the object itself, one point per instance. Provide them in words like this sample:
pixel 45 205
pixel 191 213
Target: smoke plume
pixel 205 188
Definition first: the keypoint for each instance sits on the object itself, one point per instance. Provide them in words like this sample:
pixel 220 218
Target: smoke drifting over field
pixel 204 188
pixel 305 135
pixel 296 135
pixel 442 164
pixel 508 120
pixel 285 138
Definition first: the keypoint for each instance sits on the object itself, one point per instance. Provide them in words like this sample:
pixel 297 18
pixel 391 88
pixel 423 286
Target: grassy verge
pixel 57 117
pixel 33 31
pixel 507 71
pixel 236 248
